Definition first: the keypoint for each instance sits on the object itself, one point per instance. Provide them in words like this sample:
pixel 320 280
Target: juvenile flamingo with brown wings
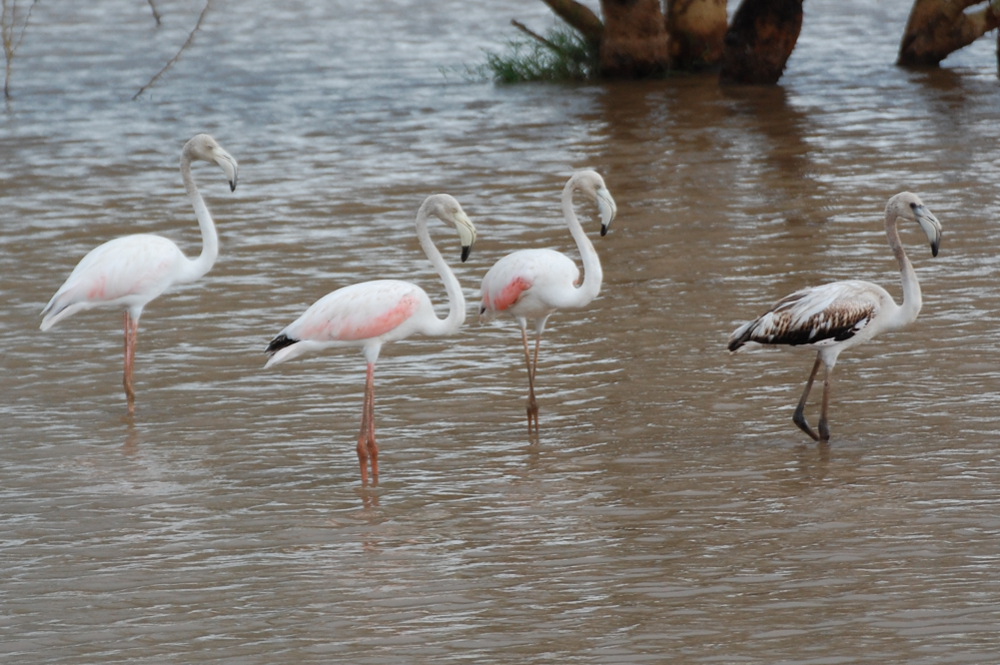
pixel 836 316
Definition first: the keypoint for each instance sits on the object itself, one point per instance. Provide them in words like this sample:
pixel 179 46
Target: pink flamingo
pixel 373 313
pixel 534 283
pixel 132 270
pixel 839 315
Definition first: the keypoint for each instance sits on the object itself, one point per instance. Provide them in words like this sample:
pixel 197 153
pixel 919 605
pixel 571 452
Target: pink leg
pixel 367 447
pixel 532 365
pixel 131 339
pixel 372 444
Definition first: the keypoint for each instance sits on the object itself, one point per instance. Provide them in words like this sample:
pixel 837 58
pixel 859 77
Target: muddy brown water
pixel 670 512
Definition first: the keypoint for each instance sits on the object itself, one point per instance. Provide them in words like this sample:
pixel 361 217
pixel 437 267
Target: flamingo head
pixel 207 149
pixel 448 210
pixel 909 206
pixel 592 185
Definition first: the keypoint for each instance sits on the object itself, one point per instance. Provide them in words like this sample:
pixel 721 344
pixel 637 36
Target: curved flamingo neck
pixel 593 274
pixel 912 298
pixel 198 267
pixel 456 299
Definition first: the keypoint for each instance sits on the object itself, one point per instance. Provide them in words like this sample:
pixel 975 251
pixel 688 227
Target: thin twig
pixel 24 26
pixel 156 14
pixel 534 35
pixel 177 56
pixel 10 44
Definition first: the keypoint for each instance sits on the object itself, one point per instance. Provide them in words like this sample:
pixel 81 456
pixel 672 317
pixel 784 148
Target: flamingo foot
pixel 532 411
pixel 824 431
pixel 373 457
pixel 368 457
pixel 130 397
pixel 800 419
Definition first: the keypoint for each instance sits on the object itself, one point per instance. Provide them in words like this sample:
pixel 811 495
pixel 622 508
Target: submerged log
pixel 634 44
pixel 759 41
pixel 937 28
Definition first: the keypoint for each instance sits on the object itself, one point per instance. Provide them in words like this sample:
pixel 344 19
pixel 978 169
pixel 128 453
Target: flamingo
pixel 534 283
pixel 373 313
pixel 131 271
pixel 839 315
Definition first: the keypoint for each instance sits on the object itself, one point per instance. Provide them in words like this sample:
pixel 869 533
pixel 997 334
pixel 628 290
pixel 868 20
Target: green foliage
pixel 563 55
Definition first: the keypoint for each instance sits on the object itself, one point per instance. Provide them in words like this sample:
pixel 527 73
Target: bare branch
pixel 580 18
pixel 177 56
pixel 534 35
pixel 8 30
pixel 156 13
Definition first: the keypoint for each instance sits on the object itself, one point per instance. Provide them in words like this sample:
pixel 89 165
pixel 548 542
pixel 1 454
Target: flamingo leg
pixel 367 447
pixel 131 340
pixel 799 418
pixel 372 444
pixel 824 426
pixel 534 373
pixel 532 408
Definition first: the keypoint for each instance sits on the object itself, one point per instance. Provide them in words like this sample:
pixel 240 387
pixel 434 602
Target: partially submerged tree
pixel 639 38
pixel 634 43
pixel 696 30
pixel 938 28
pixel 760 40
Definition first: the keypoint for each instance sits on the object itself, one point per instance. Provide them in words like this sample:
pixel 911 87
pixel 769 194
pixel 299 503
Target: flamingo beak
pixel 229 166
pixel 931 226
pixel 466 233
pixel 608 208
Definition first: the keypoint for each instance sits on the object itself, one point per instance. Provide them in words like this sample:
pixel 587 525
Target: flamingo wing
pixel 534 279
pixel 358 312
pixel 131 271
pixel 378 311
pixel 818 316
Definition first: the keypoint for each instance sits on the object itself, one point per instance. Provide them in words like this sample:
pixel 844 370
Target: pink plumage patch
pixel 354 327
pixel 510 294
pixel 98 290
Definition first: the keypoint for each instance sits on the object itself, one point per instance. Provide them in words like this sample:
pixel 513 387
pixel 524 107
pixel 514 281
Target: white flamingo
pixel 373 313
pixel 130 271
pixel 534 283
pixel 839 315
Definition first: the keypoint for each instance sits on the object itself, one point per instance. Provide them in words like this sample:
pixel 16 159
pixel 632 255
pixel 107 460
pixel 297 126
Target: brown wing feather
pixel 831 313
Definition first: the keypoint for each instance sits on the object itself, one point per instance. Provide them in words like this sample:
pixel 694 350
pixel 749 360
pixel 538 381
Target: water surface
pixel 671 512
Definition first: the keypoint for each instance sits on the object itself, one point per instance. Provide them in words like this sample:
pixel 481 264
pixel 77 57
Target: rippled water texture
pixel 670 512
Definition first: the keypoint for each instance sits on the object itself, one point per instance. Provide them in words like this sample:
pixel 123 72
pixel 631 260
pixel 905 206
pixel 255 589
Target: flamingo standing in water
pixel 373 313
pixel 131 271
pixel 534 283
pixel 839 315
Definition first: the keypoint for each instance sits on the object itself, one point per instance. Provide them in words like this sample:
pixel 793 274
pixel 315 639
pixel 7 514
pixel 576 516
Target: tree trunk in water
pixel 634 44
pixel 697 29
pixel 760 40
pixel 937 28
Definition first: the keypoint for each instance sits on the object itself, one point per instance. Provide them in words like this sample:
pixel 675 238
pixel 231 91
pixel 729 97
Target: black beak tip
pixel 604 230
pixel 466 250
